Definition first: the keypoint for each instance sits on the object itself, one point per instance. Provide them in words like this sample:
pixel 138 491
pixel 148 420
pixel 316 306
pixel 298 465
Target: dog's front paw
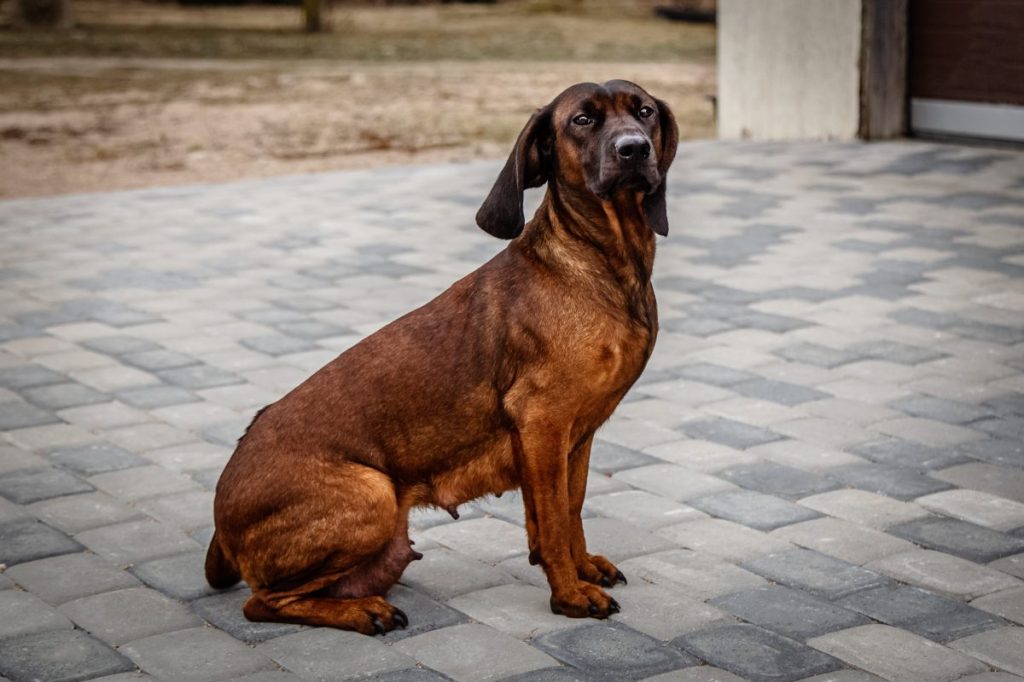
pixel 586 601
pixel 599 571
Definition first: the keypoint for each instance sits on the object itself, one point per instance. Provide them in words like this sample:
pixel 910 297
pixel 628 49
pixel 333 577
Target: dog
pixel 498 383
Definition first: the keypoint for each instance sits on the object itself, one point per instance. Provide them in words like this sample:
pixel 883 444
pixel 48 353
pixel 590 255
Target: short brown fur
pixel 500 382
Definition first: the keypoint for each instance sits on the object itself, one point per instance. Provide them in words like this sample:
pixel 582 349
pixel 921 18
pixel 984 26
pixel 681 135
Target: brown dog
pixel 500 382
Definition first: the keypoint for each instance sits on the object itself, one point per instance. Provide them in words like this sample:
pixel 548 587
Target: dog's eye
pixel 582 120
pixel 645 112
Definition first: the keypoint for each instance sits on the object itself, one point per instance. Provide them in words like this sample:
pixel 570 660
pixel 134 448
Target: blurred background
pixel 112 94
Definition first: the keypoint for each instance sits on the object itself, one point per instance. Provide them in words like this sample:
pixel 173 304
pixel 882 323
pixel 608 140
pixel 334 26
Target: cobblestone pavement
pixel 819 476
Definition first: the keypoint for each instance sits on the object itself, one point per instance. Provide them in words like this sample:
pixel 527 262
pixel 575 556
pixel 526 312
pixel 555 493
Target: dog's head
pixel 598 139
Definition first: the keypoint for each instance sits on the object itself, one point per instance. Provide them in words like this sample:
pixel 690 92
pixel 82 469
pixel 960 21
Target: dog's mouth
pixel 642 179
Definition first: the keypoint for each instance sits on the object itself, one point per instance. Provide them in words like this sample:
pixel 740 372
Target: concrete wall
pixel 789 68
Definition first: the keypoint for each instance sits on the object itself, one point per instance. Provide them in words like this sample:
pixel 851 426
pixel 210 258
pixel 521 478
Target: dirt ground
pixel 153 104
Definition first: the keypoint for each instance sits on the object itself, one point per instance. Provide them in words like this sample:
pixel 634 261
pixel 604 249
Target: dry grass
pixel 151 94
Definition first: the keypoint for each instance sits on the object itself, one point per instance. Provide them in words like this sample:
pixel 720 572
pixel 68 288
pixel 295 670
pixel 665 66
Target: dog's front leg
pixel 542 457
pixel 593 568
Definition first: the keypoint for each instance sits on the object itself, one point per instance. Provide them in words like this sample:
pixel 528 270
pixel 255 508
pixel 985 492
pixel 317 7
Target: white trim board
pixel 996 121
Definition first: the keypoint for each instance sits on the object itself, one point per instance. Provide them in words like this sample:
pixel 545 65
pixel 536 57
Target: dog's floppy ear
pixel 502 211
pixel 654 203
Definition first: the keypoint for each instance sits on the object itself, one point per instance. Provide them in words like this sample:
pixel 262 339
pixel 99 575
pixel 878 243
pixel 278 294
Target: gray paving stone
pixel 31 485
pixel 1002 648
pixel 141 482
pixel 673 482
pixel 664 613
pixel 198 376
pixel 959 538
pixel 488 540
pixel 224 611
pixel 424 613
pixel 49 578
pixel 753 509
pixel 179 577
pixel 136 541
pixel 29 376
pixel 696 575
pixel 921 612
pixel 896 655
pixel 22 415
pixel 59 656
pixel 817 355
pixel 902 483
pixel 790 613
pixel 561 674
pixel 81 512
pixel 413 675
pixel 443 574
pixel 816 573
pixel 619 540
pixel 901 353
pixel 153 360
pixel 1008 452
pixel 95 458
pixel 1009 604
pixel 277 344
pixel 729 432
pixel 124 615
pixel 326 654
pixel 119 345
pixel 483 653
pixel 609 458
pixel 944 573
pixel 778 391
pixel 865 508
pixel 28 539
pixel 843 540
pixel 756 654
pixel 778 479
pixel 1011 565
pixel 641 509
pixel 195 655
pixel 22 613
pixel 716 375
pixel 988 478
pixel 906 453
pixel 151 397
pixel 724 539
pixel 949 411
pixel 55 397
pixel 188 510
pixel 522 611
pixel 610 651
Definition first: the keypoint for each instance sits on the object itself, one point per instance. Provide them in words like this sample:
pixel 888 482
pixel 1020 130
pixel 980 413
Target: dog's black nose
pixel 633 147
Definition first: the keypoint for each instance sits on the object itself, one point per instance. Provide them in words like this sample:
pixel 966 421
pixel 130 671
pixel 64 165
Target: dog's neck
pixel 607 240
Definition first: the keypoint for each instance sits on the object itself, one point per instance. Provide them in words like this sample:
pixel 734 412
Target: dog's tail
pixel 221 573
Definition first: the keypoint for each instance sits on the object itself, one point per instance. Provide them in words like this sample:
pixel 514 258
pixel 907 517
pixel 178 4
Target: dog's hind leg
pixel 368 615
pixel 221 572
pixel 329 558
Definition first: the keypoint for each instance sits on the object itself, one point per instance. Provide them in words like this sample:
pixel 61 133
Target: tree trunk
pixel 44 13
pixel 313 11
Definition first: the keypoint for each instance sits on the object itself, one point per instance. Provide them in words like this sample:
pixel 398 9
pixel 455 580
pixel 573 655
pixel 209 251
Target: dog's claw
pixel 619 576
pixel 378 627
pixel 416 556
pixel 534 558
pixel 453 510
pixel 613 606
pixel 400 618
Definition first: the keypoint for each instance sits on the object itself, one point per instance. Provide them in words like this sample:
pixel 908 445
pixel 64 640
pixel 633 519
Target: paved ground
pixel 819 476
